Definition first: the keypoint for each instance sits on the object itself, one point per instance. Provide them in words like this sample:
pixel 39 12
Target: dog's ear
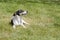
pixel 18 12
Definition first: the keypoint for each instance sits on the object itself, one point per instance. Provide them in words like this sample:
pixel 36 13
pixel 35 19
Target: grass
pixel 44 20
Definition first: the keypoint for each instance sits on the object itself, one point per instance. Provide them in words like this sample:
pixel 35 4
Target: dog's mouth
pixel 24 14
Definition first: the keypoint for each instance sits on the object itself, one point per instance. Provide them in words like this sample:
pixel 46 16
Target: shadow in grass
pixel 57 25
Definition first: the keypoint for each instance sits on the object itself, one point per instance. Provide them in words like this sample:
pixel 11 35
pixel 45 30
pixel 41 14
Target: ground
pixel 44 20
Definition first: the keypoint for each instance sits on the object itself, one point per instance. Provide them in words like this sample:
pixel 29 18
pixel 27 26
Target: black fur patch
pixel 12 22
pixel 18 12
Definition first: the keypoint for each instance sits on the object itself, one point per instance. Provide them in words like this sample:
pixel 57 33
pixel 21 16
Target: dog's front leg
pixel 23 25
pixel 24 22
pixel 14 26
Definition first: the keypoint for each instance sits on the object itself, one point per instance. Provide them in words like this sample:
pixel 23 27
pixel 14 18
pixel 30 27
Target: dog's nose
pixel 27 11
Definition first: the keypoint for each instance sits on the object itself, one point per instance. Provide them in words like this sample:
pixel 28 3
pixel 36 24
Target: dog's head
pixel 21 12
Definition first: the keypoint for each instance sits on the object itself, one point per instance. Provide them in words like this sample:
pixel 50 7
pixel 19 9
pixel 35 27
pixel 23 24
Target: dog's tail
pixel 11 22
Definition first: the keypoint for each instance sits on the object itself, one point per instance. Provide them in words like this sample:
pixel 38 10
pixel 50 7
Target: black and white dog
pixel 17 18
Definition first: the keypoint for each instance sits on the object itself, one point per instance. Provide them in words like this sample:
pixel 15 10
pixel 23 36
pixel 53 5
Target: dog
pixel 17 18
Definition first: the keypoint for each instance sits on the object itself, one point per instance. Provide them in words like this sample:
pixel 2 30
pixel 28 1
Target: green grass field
pixel 44 20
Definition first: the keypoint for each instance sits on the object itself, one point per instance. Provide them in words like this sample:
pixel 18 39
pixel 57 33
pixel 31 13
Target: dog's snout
pixel 27 11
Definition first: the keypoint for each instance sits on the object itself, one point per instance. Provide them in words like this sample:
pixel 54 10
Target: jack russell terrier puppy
pixel 17 18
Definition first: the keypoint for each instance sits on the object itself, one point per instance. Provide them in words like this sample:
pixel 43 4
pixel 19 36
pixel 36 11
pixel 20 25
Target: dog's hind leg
pixel 24 22
pixel 14 26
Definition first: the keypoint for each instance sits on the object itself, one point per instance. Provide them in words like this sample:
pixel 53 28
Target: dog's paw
pixel 14 26
pixel 26 23
pixel 23 25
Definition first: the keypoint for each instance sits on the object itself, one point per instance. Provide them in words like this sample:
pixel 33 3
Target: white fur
pixel 17 20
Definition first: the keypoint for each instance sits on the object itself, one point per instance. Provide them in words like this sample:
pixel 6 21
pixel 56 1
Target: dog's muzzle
pixel 25 12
